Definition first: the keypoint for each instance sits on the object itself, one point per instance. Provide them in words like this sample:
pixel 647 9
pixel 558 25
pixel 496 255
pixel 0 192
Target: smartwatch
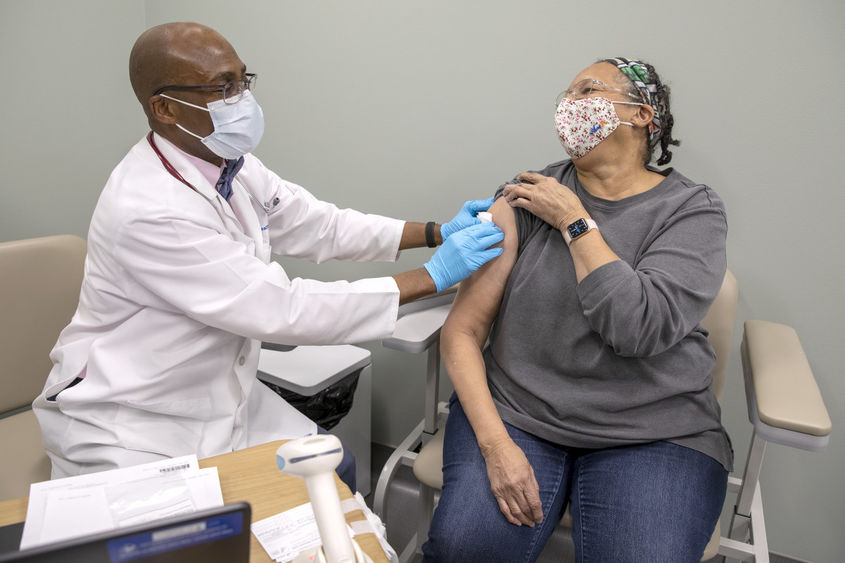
pixel 578 228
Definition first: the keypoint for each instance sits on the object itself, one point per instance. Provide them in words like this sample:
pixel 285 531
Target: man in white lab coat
pixel 179 289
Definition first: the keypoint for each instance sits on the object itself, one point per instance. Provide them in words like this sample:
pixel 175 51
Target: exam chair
pixel 418 330
pixel 40 280
pixel 784 406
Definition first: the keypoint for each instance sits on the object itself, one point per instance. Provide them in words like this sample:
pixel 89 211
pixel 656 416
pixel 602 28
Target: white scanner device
pixel 314 459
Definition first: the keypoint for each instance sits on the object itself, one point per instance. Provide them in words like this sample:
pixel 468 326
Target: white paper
pixel 149 499
pixel 160 497
pixel 74 512
pixel 94 502
pixel 285 535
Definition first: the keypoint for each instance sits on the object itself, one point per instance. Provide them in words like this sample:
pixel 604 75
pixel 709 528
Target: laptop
pixel 214 534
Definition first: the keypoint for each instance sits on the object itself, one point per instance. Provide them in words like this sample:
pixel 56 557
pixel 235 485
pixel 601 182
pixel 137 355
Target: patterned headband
pixel 637 73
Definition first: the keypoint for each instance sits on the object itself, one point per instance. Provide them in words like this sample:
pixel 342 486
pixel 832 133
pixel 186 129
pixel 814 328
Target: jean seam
pixel 580 515
pixel 539 532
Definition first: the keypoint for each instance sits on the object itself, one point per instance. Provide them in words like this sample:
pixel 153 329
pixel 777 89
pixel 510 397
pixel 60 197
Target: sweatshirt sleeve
pixel 643 309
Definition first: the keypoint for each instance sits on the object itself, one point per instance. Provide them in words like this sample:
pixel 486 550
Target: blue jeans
pixel 652 502
pixel 346 469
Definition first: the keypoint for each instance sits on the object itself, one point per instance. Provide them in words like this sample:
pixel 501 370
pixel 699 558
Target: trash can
pixel 332 385
pixel 326 407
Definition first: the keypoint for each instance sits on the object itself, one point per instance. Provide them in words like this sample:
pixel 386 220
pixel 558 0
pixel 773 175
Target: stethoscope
pixel 267 206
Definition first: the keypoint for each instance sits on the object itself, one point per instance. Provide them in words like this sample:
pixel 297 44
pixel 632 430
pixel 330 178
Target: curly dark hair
pixel 661 98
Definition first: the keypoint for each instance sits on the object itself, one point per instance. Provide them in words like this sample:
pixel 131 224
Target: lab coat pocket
pixel 265 244
pixel 51 393
pixel 245 240
pixel 170 428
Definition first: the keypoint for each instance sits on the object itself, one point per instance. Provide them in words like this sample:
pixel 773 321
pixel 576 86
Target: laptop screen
pixel 215 534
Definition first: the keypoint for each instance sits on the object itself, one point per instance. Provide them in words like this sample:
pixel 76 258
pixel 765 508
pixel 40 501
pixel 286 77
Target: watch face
pixel 577 228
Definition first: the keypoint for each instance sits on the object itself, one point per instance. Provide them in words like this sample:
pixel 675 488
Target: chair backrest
pixel 719 321
pixel 40 280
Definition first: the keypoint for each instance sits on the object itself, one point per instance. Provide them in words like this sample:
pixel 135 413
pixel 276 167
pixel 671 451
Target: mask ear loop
pixel 189 132
pixel 627 104
pixel 184 102
pixel 187 104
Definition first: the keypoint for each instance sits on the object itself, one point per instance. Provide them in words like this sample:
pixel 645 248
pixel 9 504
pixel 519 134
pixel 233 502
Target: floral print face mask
pixel 583 124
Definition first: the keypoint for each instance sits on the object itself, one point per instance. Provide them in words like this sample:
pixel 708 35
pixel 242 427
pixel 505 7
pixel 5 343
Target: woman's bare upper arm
pixel 480 295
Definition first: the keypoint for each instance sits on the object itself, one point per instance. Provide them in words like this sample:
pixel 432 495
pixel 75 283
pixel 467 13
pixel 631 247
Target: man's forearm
pixel 414 284
pixel 413 236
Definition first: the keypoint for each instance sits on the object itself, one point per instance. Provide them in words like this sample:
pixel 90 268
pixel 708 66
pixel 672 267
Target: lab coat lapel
pixel 246 220
pixel 194 177
pixel 251 222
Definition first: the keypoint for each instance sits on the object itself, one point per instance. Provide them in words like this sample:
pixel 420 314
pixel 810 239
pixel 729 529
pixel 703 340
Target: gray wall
pixel 407 109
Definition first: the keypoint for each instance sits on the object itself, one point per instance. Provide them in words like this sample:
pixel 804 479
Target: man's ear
pixel 161 110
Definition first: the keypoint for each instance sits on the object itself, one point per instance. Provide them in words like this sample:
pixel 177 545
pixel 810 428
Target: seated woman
pixel 594 390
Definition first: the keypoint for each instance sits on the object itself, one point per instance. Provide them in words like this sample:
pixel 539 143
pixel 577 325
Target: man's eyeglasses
pixel 587 87
pixel 233 90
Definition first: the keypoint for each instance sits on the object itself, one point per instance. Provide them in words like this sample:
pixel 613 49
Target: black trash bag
pixel 326 407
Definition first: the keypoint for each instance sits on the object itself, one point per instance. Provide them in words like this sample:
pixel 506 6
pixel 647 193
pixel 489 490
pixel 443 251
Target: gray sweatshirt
pixel 620 358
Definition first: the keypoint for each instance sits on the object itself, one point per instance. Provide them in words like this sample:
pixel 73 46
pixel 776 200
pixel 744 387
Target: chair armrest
pixel 784 401
pixel 428 467
pixel 419 323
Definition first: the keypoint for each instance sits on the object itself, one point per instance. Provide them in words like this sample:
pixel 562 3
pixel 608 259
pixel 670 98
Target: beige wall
pixel 407 109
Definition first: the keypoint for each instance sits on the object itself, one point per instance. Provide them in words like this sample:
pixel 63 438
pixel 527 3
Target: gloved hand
pixel 463 253
pixel 465 217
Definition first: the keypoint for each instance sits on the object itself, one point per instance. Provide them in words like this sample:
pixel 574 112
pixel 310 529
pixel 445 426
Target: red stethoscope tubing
pixel 175 173
pixel 167 166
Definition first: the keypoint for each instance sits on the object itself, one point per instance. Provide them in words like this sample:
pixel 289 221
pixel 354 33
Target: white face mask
pixel 238 127
pixel 583 124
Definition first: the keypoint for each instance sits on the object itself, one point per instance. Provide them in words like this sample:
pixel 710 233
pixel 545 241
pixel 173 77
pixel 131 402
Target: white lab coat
pixel 179 290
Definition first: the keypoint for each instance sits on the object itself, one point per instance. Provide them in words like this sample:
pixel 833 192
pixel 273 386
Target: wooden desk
pixel 249 475
pixel 12 511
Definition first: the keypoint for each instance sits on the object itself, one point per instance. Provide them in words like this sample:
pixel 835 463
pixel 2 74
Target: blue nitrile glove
pixel 464 253
pixel 465 217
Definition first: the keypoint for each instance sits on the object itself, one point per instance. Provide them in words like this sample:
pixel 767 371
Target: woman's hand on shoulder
pixel 546 198
pixel 513 484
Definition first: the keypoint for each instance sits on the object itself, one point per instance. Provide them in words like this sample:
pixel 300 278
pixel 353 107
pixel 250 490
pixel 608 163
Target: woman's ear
pixel 643 116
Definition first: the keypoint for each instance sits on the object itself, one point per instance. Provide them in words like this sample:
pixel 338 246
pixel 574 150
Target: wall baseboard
pixel 781 558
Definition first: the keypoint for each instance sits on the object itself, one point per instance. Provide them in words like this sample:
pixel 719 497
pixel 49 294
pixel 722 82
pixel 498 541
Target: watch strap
pixel 429 235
